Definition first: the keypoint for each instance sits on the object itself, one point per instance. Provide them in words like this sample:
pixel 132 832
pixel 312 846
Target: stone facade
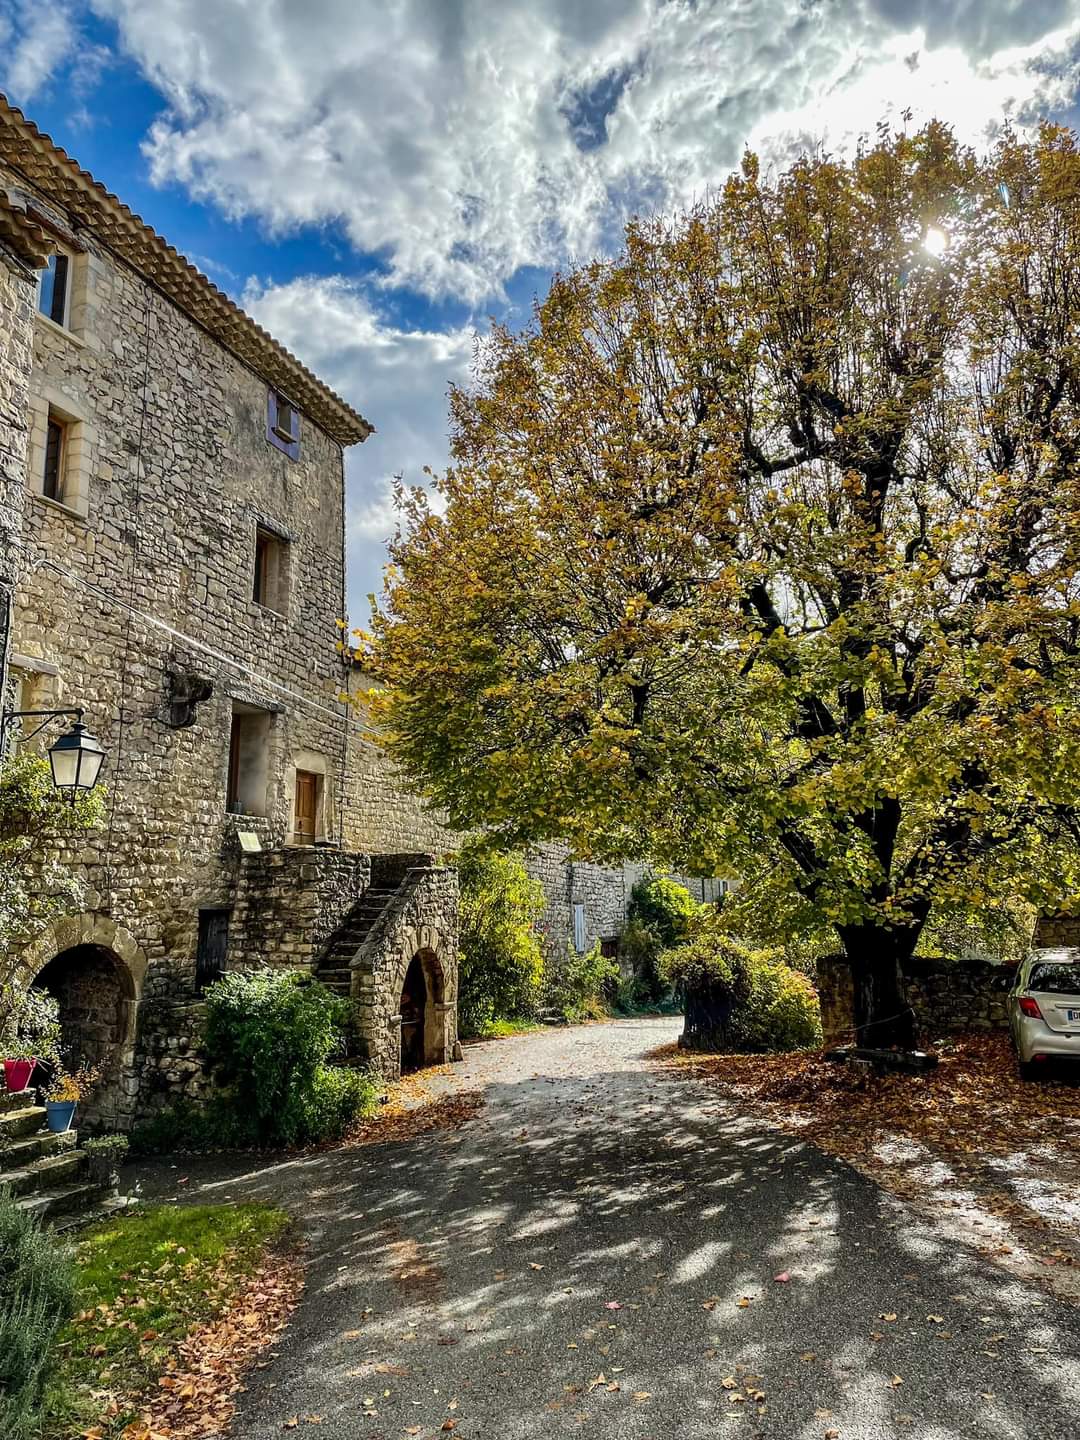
pixel 180 576
pixel 419 927
pixel 946 995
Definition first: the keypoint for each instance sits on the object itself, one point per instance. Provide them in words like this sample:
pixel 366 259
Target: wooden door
pixel 307 800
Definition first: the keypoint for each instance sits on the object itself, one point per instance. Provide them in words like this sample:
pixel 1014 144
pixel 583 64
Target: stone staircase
pixel 43 1171
pixel 333 967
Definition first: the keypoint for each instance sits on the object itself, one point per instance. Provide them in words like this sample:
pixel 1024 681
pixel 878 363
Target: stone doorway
pixel 96 995
pixel 423 1014
pixel 413 1007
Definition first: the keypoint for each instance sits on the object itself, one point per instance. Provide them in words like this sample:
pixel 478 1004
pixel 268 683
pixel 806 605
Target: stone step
pixel 23 1121
pixel 329 974
pixel 62 1200
pixel 43 1142
pixel 17 1101
pixel 44 1174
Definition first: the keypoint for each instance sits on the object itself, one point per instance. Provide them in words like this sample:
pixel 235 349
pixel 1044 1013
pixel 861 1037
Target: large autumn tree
pixel 758 551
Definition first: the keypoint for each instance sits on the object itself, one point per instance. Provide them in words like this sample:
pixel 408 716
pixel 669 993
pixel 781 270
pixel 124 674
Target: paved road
pixel 473 1276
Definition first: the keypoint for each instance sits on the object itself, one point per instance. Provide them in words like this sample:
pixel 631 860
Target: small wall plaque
pixel 249 841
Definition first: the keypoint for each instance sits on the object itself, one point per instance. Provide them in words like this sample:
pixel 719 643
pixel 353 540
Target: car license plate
pixel 1073 1017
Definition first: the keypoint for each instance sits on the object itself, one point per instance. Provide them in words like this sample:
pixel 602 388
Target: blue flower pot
pixel 59 1115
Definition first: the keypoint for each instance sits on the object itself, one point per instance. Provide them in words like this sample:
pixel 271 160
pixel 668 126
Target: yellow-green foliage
pixel 758 548
pixel 737 998
pixel 500 962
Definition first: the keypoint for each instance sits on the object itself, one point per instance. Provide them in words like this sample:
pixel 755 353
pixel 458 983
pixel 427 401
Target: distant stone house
pixel 172 559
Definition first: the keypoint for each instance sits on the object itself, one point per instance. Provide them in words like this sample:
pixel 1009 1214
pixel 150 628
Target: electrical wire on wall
pixel 125 652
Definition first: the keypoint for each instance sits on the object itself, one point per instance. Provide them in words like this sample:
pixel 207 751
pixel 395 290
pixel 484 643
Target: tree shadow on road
pixel 598 1256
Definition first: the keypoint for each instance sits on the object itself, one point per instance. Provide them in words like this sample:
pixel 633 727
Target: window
pixel 53 288
pixel 52 481
pixel 283 424
pixel 249 760
pixel 269 587
pixel 213 947
pixel 609 947
pixel 307 804
pixel 62 451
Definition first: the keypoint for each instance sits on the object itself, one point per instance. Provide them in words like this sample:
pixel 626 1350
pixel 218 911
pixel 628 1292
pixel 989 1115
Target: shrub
pixel 660 915
pixel 339 1095
pixel 500 962
pixel 268 1037
pixel 583 983
pixel 663 907
pixel 37 1290
pixel 737 998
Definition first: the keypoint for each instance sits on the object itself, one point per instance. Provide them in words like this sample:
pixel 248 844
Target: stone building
pixel 172 510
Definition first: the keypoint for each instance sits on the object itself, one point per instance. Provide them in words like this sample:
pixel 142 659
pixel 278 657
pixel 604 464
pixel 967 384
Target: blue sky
pixel 375 179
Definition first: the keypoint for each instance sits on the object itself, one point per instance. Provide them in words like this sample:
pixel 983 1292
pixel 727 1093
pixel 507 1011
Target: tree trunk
pixel 883 1017
pixel 706 1017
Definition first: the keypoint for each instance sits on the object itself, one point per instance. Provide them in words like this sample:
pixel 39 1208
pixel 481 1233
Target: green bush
pixel 737 998
pixel 663 907
pixel 500 962
pixel 37 1290
pixel 338 1096
pixel 268 1037
pixel 660 915
pixel 583 985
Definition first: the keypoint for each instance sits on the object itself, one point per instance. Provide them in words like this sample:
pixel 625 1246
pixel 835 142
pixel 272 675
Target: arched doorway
pixel 423 1026
pixel 95 992
pixel 413 1016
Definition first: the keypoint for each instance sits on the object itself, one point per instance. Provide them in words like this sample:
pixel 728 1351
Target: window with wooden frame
pixel 269 586
pixel 54 288
pixel 213 947
pixel 283 423
pixel 52 479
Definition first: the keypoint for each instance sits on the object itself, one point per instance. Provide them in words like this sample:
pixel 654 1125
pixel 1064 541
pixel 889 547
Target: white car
pixel 1044 1009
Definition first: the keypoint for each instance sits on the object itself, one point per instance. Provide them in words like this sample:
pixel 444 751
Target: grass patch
pixel 500 1029
pixel 144 1281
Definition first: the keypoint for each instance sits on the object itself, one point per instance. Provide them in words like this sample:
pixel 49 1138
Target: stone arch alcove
pixel 95 969
pixel 422 1012
pixel 407 961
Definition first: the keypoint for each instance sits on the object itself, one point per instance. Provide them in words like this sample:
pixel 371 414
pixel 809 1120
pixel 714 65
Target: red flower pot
pixel 17 1074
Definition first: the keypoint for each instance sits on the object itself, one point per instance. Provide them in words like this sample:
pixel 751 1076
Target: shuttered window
pixel 213 947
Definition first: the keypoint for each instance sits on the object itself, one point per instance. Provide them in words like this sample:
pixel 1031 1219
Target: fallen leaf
pixel 743 1303
pixel 613 1305
pixel 782 1278
pixel 896 1380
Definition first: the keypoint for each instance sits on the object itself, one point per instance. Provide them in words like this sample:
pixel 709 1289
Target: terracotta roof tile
pixel 21 234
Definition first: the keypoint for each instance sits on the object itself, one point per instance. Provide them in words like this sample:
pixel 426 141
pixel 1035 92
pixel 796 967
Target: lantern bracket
pixel 44 717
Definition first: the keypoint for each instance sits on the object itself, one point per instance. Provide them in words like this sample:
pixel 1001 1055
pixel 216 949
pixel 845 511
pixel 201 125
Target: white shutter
pixel 579 929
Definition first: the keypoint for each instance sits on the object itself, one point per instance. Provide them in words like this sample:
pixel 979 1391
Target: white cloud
pixel 395 376
pixel 462 139
pixel 35 40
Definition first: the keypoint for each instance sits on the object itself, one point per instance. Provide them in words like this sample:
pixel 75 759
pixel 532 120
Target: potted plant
pixel 30 1034
pixel 63 1094
pixel 105 1154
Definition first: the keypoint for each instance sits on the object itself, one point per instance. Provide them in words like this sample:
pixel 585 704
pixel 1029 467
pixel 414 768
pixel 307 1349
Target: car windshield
pixel 1055 979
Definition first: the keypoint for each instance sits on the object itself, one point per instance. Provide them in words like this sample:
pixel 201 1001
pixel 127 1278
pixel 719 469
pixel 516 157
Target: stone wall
pixel 1057 930
pixel 947 996
pixel 289 902
pixel 16 361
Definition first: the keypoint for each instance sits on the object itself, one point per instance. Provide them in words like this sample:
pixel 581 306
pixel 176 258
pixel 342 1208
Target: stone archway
pixel 381 973
pixel 422 1008
pixel 95 969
